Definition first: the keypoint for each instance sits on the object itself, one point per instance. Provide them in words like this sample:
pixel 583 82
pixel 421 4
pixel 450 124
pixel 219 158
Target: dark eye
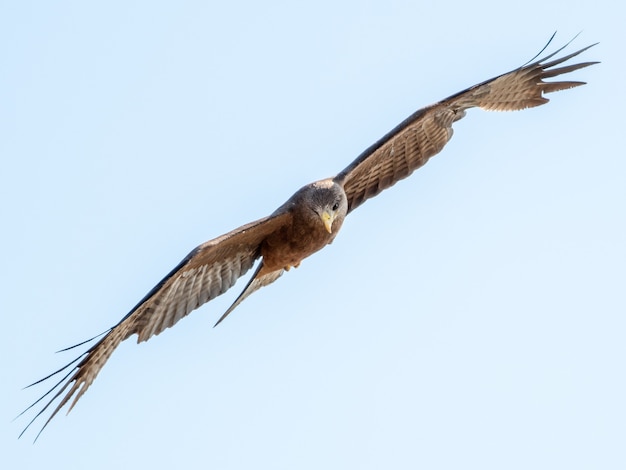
pixel 335 206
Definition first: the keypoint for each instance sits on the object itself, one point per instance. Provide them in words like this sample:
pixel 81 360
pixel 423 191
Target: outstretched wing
pixel 208 271
pixel 423 134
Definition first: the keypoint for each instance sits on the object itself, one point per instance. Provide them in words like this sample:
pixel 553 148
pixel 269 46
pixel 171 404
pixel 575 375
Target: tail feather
pixel 257 281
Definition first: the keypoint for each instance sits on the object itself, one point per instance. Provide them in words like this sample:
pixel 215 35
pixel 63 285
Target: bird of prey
pixel 308 221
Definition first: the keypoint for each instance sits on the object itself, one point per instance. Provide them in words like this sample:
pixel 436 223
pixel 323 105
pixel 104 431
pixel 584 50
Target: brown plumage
pixel 308 221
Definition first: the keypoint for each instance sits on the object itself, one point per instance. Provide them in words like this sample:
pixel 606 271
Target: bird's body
pixel 309 220
pixel 307 231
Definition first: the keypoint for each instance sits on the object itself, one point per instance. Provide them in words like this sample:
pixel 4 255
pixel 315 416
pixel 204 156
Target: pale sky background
pixel 471 317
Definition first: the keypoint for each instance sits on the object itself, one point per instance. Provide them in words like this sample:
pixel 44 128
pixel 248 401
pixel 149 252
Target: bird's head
pixel 325 202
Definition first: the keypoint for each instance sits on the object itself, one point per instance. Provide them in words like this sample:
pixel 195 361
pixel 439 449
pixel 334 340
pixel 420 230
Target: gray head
pixel 323 201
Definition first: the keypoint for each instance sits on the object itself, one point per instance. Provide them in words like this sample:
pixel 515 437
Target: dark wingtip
pixel 83 342
pixel 544 48
pixel 54 388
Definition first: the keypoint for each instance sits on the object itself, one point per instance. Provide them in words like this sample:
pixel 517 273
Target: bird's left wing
pixel 208 271
pixel 423 134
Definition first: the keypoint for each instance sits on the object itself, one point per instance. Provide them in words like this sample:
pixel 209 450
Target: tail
pixel 257 281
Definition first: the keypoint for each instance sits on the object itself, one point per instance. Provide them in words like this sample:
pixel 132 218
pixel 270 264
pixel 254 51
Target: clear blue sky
pixel 472 317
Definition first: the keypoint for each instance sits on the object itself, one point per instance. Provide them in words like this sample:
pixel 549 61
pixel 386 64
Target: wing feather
pixel 208 271
pixel 423 134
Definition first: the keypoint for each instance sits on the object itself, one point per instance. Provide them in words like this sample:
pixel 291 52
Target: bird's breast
pixel 287 247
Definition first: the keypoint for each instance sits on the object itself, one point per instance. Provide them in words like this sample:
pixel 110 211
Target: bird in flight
pixel 307 222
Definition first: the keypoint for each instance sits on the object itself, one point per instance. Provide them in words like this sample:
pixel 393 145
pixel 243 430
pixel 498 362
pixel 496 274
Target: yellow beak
pixel 328 218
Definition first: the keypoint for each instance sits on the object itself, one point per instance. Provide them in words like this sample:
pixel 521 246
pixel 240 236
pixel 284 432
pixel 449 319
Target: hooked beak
pixel 328 219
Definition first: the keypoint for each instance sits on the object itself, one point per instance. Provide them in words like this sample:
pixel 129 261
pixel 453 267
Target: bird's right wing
pixel 208 271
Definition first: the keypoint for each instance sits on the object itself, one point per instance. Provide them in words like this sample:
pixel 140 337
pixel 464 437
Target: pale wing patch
pixel 188 291
pixel 400 156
